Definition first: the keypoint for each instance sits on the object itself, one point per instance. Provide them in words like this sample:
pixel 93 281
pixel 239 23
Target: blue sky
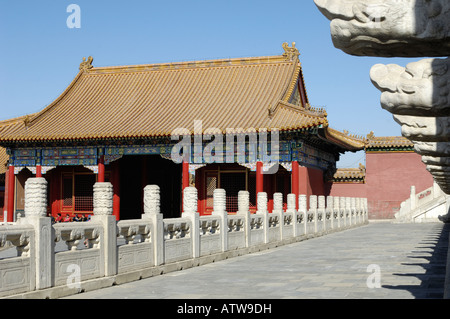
pixel 40 55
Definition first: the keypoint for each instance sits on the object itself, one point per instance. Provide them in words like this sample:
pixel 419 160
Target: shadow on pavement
pixel 431 255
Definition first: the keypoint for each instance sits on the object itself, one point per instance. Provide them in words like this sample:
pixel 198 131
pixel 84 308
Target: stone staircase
pixel 430 205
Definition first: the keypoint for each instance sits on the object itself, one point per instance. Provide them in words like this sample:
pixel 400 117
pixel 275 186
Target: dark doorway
pixel 138 171
pixel 232 183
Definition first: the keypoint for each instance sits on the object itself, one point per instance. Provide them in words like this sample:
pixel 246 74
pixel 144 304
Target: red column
pixel 101 169
pixel 38 171
pixel 259 178
pixel 185 182
pixel 11 187
pixel 5 199
pixel 295 178
pixel 55 192
pixel 116 188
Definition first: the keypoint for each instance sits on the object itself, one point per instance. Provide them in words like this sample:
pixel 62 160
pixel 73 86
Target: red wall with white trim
pixel 389 177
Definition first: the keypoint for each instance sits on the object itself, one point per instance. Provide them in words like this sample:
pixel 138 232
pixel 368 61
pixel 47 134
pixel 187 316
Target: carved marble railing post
pixel 190 200
pixel 343 217
pixel 152 211
pixel 348 211
pixel 103 209
pixel 364 209
pixel 358 210
pixel 336 212
pixel 277 202
pixel 220 209
pixel 353 209
pixel 262 209
pixel 303 210
pixel 412 197
pixel 36 215
pixel 321 211
pixel 291 209
pixel 244 209
pixel 313 210
pixel 278 209
pixel 330 211
pixel 36 197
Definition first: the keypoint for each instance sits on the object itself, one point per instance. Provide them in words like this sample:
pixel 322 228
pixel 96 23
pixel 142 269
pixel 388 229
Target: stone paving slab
pixel 411 259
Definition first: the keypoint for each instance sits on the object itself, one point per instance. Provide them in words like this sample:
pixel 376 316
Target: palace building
pixel 122 124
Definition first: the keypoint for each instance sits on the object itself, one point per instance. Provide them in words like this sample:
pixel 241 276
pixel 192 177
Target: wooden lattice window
pixel 211 185
pixel 231 180
pixel 78 192
pixel 84 192
pixel 67 192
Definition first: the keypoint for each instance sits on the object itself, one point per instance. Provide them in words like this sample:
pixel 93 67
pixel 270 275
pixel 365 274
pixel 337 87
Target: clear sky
pixel 40 54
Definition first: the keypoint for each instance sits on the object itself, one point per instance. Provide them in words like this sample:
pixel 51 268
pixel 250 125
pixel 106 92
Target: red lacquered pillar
pixel 259 178
pixel 101 169
pixel 185 177
pixel 115 179
pixel 295 178
pixel 38 171
pixel 5 199
pixel 184 180
pixel 11 188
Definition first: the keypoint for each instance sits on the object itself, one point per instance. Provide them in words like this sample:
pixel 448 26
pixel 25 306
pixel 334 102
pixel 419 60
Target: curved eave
pixel 273 110
pixel 315 123
pixel 343 141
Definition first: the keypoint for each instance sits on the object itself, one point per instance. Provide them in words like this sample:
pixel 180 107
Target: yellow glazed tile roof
pixel 380 142
pixel 349 141
pixel 3 160
pixel 154 100
pixel 4 157
pixel 350 174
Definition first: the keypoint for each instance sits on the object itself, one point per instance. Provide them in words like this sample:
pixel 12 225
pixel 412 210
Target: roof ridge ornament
pixel 290 53
pixel 27 120
pixel 86 65
pixel 371 135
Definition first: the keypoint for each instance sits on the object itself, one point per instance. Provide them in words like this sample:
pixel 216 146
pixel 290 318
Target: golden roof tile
pixel 349 141
pixel 153 100
pixel 384 142
pixel 3 160
pixel 350 174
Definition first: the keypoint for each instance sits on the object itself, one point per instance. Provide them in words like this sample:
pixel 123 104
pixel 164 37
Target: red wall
pixel 389 177
pixel 347 189
pixel 311 181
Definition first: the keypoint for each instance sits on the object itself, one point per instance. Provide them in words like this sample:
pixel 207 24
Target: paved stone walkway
pixel 407 261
